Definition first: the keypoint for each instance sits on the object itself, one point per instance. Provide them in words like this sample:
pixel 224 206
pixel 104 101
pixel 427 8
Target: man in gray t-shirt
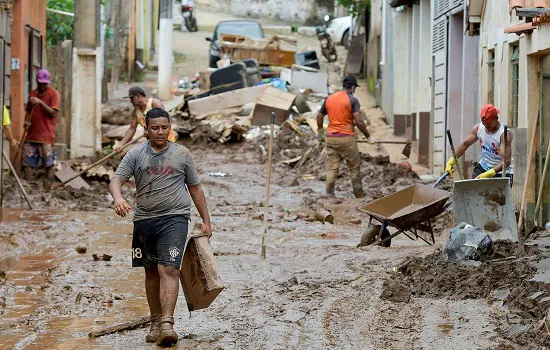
pixel 166 181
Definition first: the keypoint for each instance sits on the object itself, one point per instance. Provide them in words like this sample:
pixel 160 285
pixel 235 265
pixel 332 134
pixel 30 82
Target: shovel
pixel 487 204
pixel 406 150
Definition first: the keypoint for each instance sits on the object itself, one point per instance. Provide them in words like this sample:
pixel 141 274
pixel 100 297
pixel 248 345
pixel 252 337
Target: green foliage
pixel 59 27
pixel 355 7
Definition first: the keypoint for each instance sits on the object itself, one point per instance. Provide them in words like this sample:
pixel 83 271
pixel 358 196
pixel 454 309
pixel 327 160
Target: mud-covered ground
pixel 315 290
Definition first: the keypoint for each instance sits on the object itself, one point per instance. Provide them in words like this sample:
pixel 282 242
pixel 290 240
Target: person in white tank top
pixel 490 133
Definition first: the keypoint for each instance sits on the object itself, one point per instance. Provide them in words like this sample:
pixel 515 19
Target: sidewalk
pixel 382 131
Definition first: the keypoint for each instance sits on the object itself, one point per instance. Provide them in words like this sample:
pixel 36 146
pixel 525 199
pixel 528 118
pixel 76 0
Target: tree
pixel 355 8
pixel 59 27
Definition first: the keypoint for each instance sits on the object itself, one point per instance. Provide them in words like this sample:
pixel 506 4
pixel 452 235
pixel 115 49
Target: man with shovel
pixel 344 113
pixel 142 105
pixel 490 133
pixel 166 181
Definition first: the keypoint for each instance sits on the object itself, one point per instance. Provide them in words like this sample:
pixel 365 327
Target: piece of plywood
pixel 235 98
pixel 272 100
pixel 66 173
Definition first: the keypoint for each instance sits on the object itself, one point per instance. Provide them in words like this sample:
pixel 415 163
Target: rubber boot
pixel 330 188
pixel 153 334
pixel 357 188
pixel 167 335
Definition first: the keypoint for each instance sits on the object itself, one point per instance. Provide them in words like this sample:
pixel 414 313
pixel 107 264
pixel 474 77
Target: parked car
pixel 340 30
pixel 250 29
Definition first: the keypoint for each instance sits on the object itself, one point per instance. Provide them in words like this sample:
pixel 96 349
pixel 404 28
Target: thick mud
pixel 315 290
pixel 503 281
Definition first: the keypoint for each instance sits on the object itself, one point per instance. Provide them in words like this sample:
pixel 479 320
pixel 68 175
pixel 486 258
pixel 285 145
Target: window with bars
pixel 491 68
pixel 515 86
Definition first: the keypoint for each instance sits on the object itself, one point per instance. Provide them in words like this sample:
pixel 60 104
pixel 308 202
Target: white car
pixel 340 30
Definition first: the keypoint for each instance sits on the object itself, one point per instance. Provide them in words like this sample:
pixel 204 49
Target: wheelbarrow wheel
pixel 369 237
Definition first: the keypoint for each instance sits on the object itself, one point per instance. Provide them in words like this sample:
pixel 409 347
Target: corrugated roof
pixel 529 4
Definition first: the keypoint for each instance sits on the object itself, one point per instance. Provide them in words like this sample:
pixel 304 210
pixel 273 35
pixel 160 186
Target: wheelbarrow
pixel 409 211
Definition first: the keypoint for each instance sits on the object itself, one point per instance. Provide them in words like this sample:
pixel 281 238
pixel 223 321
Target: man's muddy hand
pixel 122 208
pixel 207 228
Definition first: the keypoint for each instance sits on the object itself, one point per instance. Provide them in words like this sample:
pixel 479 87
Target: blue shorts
pixel 33 152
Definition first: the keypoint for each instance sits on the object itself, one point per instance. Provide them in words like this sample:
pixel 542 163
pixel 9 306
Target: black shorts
pixel 160 241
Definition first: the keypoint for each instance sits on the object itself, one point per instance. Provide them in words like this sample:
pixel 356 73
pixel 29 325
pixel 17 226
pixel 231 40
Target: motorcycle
pixel 328 49
pixel 188 18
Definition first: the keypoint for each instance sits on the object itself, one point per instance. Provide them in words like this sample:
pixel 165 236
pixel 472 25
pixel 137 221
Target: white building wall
pixel 386 64
pixel 424 96
pixel 401 61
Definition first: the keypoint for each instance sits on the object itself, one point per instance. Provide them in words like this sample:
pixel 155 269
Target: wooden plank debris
pixel 272 100
pixel 66 173
pixel 235 98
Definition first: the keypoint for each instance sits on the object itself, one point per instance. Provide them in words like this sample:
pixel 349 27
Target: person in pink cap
pixel 490 133
pixel 38 146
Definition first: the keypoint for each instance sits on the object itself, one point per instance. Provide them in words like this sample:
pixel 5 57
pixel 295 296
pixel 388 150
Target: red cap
pixel 488 113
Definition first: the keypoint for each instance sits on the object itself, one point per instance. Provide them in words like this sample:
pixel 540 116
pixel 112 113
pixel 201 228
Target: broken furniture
pixel 253 75
pixel 303 77
pixel 272 100
pixel 276 51
pixel 228 78
pixel 307 59
pixel 409 211
pixel 236 98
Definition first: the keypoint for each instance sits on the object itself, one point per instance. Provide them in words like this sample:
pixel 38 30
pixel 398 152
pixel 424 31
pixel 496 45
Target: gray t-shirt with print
pixel 160 179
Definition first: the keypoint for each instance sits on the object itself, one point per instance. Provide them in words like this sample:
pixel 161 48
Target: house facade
pixel 514 56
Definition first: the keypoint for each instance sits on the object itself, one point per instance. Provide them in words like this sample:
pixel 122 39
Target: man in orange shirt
pixel 40 140
pixel 344 113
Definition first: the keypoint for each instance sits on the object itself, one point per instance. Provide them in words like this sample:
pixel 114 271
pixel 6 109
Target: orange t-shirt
pixel 340 107
pixel 42 129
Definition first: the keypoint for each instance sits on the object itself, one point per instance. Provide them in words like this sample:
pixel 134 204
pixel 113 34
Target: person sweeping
pixel 490 133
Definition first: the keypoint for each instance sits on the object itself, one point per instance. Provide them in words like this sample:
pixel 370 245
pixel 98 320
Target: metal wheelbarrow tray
pixel 408 210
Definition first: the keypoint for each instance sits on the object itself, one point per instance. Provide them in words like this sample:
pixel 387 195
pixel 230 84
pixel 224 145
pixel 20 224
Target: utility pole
pixel 165 50
pixel 86 89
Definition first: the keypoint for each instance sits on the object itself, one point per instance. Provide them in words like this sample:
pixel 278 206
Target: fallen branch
pixel 139 323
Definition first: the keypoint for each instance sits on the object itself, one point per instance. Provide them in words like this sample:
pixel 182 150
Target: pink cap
pixel 43 76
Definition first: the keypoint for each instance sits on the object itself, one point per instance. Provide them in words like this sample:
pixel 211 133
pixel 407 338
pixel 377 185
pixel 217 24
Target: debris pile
pixel 504 279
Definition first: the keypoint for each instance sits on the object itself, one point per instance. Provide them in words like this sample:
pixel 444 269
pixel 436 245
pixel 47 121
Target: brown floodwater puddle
pixel 107 233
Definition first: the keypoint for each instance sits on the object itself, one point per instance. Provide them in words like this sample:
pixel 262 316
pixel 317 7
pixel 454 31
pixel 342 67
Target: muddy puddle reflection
pixel 41 312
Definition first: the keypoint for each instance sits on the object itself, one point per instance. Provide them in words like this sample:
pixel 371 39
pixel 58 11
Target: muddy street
pixel 314 290
pixel 65 267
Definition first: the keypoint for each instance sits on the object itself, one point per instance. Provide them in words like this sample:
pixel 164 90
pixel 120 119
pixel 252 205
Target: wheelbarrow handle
pixel 440 179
